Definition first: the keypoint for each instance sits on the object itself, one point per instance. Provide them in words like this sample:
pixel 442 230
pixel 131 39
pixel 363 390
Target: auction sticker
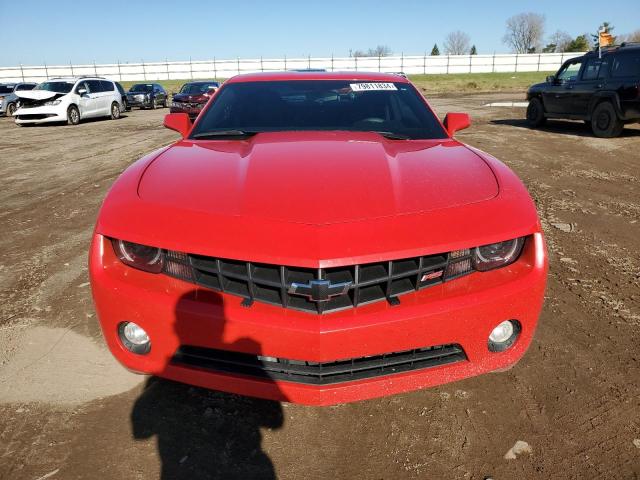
pixel 371 87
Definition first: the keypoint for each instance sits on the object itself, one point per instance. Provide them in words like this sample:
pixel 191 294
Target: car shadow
pixel 200 433
pixel 84 121
pixel 565 127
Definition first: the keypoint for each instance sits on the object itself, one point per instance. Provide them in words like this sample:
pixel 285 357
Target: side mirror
pixel 551 79
pixel 82 91
pixel 179 122
pixel 456 121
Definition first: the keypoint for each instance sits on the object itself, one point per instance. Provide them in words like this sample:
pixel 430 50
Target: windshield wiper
pixel 225 133
pixel 394 136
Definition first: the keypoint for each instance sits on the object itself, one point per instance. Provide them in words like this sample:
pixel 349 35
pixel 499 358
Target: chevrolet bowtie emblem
pixel 319 290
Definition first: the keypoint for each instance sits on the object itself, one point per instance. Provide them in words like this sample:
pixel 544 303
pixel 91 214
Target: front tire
pixel 535 113
pixel 73 115
pixel 165 104
pixel 153 103
pixel 605 122
pixel 115 111
pixel 11 109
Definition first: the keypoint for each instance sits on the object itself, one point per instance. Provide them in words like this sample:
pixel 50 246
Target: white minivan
pixel 69 99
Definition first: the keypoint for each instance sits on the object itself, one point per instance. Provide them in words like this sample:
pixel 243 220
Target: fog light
pixel 504 335
pixel 134 338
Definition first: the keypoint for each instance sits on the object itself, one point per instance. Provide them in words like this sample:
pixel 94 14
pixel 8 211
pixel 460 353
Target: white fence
pixel 227 68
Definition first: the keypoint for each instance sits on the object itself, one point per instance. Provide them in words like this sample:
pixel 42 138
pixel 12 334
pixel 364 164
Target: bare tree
pixel 379 51
pixel 524 32
pixel 561 40
pixel 457 43
pixel 629 37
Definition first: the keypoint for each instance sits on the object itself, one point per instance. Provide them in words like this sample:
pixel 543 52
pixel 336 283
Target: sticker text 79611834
pixel 369 87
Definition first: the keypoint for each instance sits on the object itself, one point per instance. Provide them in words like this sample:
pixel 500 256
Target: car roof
pixel 624 48
pixel 75 79
pixel 308 75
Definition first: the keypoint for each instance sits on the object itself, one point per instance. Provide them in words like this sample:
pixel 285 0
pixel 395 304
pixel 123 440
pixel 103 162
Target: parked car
pixel 318 238
pixel 193 96
pixel 147 95
pixel 602 90
pixel 8 98
pixel 68 99
pixel 123 95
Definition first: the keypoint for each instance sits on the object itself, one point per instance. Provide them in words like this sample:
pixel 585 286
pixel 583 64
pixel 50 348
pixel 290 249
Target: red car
pixel 193 96
pixel 318 238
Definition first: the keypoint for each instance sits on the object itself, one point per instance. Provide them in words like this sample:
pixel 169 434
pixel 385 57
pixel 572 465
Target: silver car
pixel 8 98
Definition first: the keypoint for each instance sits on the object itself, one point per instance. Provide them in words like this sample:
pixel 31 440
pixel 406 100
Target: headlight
pixel 496 255
pixel 53 102
pixel 142 257
pixel 486 257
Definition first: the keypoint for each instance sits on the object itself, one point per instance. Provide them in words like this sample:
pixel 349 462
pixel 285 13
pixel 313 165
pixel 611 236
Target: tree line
pixel 525 33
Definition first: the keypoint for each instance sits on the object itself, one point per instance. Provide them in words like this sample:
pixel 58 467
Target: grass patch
pixel 478 82
pixel 430 84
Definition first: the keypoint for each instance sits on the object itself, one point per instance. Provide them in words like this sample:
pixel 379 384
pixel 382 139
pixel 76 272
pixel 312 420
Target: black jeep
pixel 601 89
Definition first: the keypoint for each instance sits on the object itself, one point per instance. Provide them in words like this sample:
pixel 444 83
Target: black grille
pixel 314 373
pixel 370 282
pixel 34 116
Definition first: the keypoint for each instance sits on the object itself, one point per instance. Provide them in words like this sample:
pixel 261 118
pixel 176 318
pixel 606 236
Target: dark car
pixel 193 96
pixel 123 94
pixel 147 95
pixel 8 97
pixel 603 90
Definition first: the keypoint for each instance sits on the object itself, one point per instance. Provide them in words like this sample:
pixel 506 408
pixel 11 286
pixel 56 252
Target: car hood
pixel 37 94
pixel 317 178
pixel 538 87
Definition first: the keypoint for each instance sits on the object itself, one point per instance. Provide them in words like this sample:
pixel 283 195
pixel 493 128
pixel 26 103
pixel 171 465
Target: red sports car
pixel 318 238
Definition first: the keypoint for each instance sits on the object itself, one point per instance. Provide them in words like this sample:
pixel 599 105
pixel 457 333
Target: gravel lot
pixel 68 411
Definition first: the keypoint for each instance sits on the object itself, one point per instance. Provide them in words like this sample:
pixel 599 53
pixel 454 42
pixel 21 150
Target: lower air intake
pixel 314 373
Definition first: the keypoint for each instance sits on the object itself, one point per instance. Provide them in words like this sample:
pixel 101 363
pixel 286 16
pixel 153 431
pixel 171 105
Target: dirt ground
pixel 68 411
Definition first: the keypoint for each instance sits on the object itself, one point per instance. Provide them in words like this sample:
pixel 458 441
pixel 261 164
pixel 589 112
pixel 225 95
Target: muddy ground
pixel 68 411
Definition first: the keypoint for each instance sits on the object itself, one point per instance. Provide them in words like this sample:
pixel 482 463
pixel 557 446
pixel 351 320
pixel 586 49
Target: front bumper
pixel 179 107
pixel 44 114
pixel 134 102
pixel 176 313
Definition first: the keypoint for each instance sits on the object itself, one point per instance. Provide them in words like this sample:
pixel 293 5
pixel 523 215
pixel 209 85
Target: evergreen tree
pixel 435 51
pixel 580 44
pixel 474 50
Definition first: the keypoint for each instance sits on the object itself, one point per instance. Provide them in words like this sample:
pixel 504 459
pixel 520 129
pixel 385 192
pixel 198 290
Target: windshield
pixel 141 88
pixel 59 87
pixel 393 108
pixel 197 88
pixel 6 89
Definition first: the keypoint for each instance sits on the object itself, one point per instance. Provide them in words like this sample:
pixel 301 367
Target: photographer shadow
pixel 200 433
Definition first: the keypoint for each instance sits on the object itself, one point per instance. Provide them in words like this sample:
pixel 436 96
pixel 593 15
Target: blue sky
pixel 62 31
